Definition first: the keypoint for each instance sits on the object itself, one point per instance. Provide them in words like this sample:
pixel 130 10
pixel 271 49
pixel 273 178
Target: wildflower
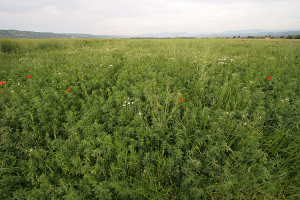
pixel 2 83
pixel 175 57
pixel 68 90
pixel 132 102
pixel 29 76
pixel 181 100
pixel 140 113
pixel 164 58
pixel 269 77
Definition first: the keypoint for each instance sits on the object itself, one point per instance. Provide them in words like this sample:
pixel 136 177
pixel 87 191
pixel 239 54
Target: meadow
pixel 149 119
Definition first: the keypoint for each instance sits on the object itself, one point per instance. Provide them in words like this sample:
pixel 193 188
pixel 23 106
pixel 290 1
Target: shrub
pixel 296 36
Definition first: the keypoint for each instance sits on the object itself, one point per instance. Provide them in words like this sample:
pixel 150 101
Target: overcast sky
pixel 129 17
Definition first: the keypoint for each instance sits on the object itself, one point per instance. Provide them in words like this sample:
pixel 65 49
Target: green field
pixel 149 119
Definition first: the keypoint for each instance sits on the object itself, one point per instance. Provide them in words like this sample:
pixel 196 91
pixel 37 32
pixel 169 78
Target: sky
pixel 133 17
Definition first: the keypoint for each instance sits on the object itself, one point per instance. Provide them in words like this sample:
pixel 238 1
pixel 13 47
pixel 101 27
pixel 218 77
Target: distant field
pixel 149 119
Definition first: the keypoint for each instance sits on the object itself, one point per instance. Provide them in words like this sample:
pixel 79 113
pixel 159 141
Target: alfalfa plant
pixel 9 45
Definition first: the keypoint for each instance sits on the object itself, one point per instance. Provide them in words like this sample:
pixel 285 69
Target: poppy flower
pixel 164 58
pixel 175 57
pixel 269 77
pixel 2 82
pixel 181 100
pixel 68 90
pixel 29 76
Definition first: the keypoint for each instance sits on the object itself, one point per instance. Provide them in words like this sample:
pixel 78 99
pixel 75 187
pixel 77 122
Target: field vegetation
pixel 149 119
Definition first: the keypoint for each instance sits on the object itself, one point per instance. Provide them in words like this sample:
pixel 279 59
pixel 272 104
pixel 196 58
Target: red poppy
pixel 181 100
pixel 68 90
pixel 175 57
pixel 269 77
pixel 29 76
pixel 2 82
pixel 164 58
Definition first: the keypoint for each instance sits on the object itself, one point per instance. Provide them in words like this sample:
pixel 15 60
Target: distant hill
pixel 256 33
pixel 39 35
pixel 242 33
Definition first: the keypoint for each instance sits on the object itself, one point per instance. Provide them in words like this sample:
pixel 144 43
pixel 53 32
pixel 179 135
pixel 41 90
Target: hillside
pixel 242 33
pixel 39 35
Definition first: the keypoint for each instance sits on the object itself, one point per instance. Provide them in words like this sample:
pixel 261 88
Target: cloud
pixel 145 16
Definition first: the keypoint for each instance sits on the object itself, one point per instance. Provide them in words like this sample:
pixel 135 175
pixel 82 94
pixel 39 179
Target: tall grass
pixel 122 131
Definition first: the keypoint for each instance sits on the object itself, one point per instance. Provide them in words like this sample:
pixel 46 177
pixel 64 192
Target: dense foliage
pixel 293 37
pixel 150 119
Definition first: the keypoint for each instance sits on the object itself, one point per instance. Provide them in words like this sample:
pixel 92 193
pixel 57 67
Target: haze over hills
pixel 241 33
